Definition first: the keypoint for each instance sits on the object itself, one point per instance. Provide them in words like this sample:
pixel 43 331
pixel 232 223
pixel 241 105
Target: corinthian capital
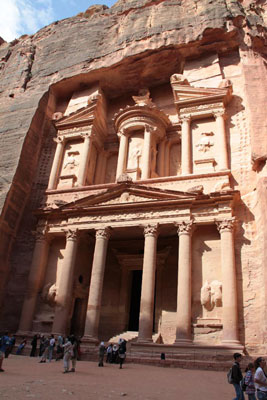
pixel 185 119
pixel 103 233
pixel 226 225
pixel 219 113
pixel 59 139
pixel 185 227
pixel 151 230
pixel 40 233
pixel 72 234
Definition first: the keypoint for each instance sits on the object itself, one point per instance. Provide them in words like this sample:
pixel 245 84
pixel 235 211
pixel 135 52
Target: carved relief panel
pixel 134 156
pixel 92 166
pixel 70 164
pixel 175 159
pixel 203 144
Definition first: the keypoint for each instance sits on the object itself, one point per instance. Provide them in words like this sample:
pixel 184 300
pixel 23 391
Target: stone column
pixel 35 281
pixel 167 159
pixel 148 284
pixel 221 140
pixel 186 146
pixel 96 284
pixel 65 284
pixel 183 328
pixel 85 156
pixel 229 290
pixel 161 166
pixel 122 154
pixel 146 159
pixel 56 163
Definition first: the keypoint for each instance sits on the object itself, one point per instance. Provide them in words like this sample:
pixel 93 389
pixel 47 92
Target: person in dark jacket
pixel 237 377
pixel 34 346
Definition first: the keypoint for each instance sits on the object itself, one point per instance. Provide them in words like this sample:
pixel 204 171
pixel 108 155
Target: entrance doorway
pixel 135 298
pixel 76 327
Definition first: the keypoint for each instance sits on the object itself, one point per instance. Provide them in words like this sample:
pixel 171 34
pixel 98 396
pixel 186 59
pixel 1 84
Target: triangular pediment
pixel 84 116
pixel 187 95
pixel 124 194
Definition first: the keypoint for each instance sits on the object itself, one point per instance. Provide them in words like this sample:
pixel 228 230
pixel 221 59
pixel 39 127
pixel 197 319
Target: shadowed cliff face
pixel 133 44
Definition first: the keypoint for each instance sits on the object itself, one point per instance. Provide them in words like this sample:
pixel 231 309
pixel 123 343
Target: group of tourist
pixel 253 383
pixel 116 354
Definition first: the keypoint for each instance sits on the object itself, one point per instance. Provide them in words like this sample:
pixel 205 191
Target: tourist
pixel 68 353
pixel 60 350
pixel 74 357
pixel 260 378
pixel 45 347
pixel 249 381
pixel 237 377
pixel 4 342
pixel 109 353
pixel 21 346
pixel 101 353
pixel 115 354
pixel 52 343
pixel 122 351
pixel 34 346
pixel 12 342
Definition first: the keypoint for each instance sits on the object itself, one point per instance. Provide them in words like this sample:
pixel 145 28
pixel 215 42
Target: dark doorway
pixel 76 328
pixel 135 300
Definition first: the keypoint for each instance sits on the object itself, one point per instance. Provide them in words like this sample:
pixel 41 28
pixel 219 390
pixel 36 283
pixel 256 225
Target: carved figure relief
pixel 211 295
pixel 205 143
pixel 71 162
pixel 49 293
pixel 134 162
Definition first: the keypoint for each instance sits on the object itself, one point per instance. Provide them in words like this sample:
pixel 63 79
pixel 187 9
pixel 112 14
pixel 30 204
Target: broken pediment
pixel 188 96
pixel 129 194
pixel 84 116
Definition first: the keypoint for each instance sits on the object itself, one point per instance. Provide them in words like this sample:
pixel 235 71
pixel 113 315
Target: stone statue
pixel 211 295
pixel 71 161
pixel 49 293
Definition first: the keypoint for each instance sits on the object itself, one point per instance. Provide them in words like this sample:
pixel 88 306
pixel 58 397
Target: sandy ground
pixel 25 378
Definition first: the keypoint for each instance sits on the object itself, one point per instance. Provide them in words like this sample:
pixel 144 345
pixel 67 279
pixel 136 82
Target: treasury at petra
pixel 133 178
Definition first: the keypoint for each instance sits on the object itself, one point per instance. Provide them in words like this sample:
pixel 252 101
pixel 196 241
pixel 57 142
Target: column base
pixel 183 342
pixel 233 343
pixel 144 340
pixel 90 340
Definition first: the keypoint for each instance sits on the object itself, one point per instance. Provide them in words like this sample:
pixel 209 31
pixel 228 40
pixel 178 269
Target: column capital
pixel 122 132
pixel 88 135
pixel 226 225
pixel 149 128
pixel 59 139
pixel 41 233
pixel 185 118
pixel 151 230
pixel 72 234
pixel 103 233
pixel 185 227
pixel 219 113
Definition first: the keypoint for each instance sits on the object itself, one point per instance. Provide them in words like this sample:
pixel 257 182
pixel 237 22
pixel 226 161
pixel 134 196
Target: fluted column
pixel 146 159
pixel 183 328
pixel 221 140
pixel 56 163
pixel 35 281
pixel 96 284
pixel 85 156
pixel 186 146
pixel 122 154
pixel 65 284
pixel 229 289
pixel 148 284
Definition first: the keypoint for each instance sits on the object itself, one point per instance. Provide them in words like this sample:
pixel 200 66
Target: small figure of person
pixel 45 347
pixel 122 352
pixel 249 381
pixel 74 357
pixel 12 343
pixel 115 354
pixel 4 343
pixel 41 348
pixel 52 343
pixel 21 346
pixel 260 378
pixel 109 353
pixel 101 353
pixel 60 350
pixel 34 346
pixel 67 355
pixel 237 376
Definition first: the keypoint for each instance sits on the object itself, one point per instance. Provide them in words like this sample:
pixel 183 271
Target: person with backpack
pixel 4 343
pixel 260 378
pixel 236 377
pixel 249 382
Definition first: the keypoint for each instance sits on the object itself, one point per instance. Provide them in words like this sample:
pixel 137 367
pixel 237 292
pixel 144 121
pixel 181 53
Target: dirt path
pixel 25 378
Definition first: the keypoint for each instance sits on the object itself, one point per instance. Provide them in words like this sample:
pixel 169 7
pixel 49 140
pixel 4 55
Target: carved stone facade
pixel 140 221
